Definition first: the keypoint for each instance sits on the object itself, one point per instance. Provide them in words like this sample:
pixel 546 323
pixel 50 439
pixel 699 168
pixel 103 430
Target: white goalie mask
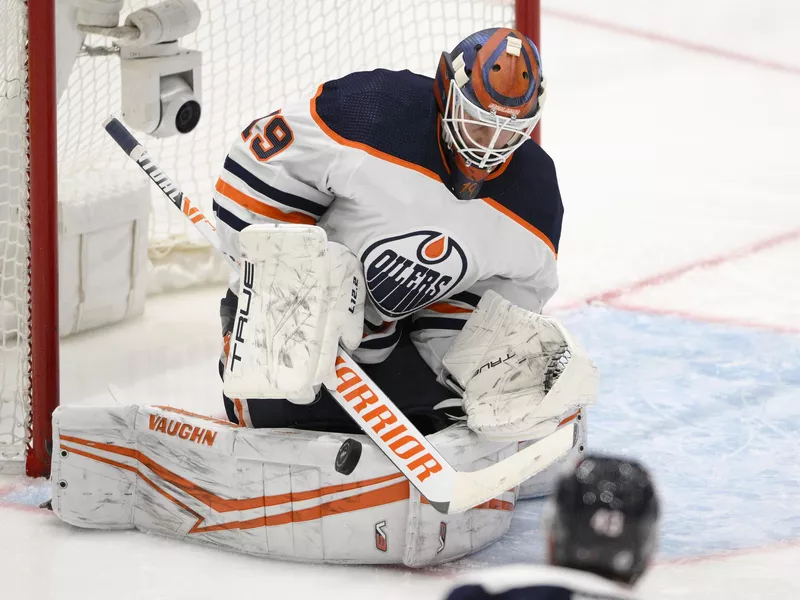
pixel 490 92
pixel 485 139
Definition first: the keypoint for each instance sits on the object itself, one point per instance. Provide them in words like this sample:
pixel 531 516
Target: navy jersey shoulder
pixel 393 112
pixel 529 188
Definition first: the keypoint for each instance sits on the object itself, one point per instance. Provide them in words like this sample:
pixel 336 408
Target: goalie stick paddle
pixel 446 489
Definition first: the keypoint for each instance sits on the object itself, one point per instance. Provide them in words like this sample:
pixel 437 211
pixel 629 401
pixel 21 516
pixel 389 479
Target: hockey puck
pixel 348 456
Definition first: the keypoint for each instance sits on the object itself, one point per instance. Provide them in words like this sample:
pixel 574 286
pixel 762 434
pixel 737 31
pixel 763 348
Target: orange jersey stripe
pixel 513 216
pixel 259 208
pixel 445 307
pixel 361 146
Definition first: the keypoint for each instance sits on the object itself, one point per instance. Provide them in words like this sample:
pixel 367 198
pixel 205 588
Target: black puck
pixel 348 456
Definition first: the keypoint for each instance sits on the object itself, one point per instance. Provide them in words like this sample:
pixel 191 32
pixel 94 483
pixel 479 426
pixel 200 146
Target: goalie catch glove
pixel 521 372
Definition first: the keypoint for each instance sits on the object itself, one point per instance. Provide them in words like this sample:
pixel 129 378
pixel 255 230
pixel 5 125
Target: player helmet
pixel 490 93
pixel 603 518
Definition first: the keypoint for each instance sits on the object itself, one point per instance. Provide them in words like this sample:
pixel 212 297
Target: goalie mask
pixel 490 93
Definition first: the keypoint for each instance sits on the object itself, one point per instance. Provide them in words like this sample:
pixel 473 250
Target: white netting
pixel 257 54
pixel 14 243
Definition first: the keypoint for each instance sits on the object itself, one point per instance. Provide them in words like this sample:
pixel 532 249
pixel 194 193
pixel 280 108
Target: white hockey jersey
pixel 538 582
pixel 363 160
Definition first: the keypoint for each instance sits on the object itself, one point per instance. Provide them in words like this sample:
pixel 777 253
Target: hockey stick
pixel 448 490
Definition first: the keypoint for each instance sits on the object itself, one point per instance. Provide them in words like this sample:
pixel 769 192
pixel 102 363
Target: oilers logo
pixel 410 271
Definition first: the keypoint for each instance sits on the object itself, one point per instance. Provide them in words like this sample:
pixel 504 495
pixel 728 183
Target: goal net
pixel 14 238
pixel 257 54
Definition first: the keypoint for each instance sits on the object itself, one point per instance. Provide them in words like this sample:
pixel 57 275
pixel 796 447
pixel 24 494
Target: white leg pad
pixel 273 493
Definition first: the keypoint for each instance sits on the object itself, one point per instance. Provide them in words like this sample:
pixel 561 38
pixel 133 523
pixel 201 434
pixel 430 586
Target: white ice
pixel 679 170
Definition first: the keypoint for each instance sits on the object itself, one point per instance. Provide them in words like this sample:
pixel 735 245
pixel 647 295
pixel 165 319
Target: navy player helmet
pixel 604 518
pixel 490 93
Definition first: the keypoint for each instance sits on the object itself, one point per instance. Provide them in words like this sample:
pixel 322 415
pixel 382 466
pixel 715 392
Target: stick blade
pixel 474 488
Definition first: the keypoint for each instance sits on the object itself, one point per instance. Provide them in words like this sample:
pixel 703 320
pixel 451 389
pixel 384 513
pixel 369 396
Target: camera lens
pixel 188 116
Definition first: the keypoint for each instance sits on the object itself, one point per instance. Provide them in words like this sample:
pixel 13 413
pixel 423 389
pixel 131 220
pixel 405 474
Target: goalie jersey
pixel 363 160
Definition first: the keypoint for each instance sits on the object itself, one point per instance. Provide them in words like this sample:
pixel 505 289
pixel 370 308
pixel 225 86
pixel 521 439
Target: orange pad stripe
pixel 385 495
pixel 568 419
pixel 209 498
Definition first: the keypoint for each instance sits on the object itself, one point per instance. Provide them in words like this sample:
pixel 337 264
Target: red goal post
pixel 29 211
pixel 526 15
pixel 41 134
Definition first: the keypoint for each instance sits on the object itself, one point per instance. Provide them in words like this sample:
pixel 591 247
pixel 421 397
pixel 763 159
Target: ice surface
pixel 714 294
pixel 667 157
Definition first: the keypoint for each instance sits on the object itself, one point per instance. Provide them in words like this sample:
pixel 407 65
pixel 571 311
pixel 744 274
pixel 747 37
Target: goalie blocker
pixel 266 492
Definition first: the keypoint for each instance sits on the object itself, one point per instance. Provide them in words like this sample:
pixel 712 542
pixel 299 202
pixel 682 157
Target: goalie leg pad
pixel 299 296
pixel 272 493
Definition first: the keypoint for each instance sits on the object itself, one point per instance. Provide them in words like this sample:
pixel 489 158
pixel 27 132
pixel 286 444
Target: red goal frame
pixel 527 15
pixel 43 227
